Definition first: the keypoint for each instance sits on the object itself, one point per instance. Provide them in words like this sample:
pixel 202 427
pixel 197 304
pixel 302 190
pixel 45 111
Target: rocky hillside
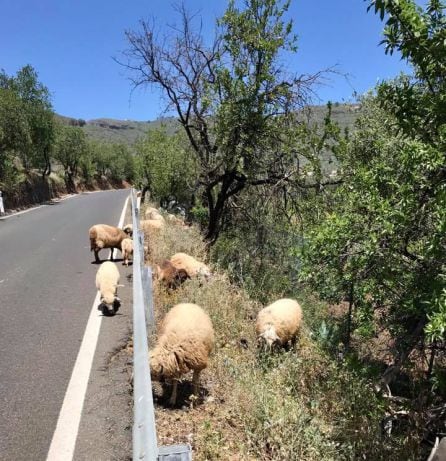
pixel 128 131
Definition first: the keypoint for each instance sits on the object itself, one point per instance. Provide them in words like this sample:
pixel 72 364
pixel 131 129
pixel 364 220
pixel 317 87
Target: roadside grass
pixel 299 404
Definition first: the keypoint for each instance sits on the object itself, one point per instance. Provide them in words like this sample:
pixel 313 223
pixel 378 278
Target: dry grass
pixel 295 405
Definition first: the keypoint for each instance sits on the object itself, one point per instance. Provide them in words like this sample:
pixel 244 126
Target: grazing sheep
pixel 107 279
pixel 170 275
pixel 128 229
pixel 153 214
pixel 127 250
pixel 193 267
pixel 278 323
pixel 105 236
pixel 149 225
pixel 172 219
pixel 185 342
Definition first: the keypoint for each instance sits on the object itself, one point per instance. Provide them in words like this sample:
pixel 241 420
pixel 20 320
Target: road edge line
pixel 64 438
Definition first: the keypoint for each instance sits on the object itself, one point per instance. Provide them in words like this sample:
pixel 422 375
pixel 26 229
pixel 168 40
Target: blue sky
pixel 71 45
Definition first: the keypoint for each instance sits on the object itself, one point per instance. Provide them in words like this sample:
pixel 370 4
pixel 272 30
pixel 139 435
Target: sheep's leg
pixel 173 397
pixel 96 255
pixel 111 254
pixel 196 381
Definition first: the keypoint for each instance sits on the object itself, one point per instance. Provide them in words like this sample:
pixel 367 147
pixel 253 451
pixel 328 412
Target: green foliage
pixel 385 229
pixel 71 150
pixel 32 101
pixel 419 103
pixel 166 167
pixel 385 233
pixel 121 162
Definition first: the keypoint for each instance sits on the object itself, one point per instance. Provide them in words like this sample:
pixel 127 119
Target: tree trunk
pixel 349 319
pixel 391 372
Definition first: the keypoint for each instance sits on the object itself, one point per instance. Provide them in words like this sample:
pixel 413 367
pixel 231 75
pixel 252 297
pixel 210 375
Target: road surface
pixel 47 289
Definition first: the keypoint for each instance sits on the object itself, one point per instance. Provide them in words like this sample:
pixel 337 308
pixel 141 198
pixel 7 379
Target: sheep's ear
pixel 157 272
pixel 171 365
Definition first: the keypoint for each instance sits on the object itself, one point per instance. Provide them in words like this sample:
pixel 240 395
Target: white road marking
pixel 55 200
pixel 64 438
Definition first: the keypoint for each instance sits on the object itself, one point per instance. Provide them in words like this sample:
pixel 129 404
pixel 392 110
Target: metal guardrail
pixel 144 431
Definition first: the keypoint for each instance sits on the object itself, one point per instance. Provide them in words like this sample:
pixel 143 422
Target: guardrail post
pixel 2 208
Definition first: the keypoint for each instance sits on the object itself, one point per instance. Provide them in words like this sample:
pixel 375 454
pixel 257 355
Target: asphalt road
pixel 47 288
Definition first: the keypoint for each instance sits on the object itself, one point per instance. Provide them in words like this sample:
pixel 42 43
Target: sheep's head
pixel 204 272
pixel 268 338
pixel 128 229
pixel 109 305
pixel 156 368
pixel 163 364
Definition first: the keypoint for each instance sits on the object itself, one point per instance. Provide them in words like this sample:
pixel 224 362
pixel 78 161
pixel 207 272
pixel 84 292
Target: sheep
pixel 153 214
pixel 172 219
pixel 127 250
pixel 149 225
pixel 185 342
pixel 105 236
pixel 107 279
pixel 193 267
pixel 170 275
pixel 278 323
pixel 128 229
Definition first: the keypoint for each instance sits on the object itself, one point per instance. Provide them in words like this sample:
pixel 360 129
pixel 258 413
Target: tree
pixel 37 114
pixel 384 233
pixel 165 168
pixel 232 98
pixel 70 150
pixel 15 136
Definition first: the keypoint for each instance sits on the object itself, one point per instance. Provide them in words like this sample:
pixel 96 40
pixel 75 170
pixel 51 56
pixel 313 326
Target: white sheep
pixel 153 214
pixel 127 250
pixel 150 225
pixel 105 236
pixel 185 342
pixel 107 280
pixel 192 267
pixel 278 323
pixel 175 220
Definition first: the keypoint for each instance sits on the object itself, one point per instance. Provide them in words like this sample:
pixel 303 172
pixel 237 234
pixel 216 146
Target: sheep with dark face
pixel 278 323
pixel 168 274
pixel 128 229
pixel 107 280
pixel 105 236
pixel 185 342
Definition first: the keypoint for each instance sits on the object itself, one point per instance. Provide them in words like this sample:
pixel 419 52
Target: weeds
pixel 290 405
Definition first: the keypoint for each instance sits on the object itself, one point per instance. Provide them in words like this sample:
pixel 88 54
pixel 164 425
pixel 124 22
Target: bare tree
pixel 234 101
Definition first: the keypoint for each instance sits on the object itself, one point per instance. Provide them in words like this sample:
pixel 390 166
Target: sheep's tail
pixel 93 236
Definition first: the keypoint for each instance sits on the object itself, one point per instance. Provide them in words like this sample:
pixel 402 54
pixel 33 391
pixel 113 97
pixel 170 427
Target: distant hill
pixel 128 131
pixel 118 131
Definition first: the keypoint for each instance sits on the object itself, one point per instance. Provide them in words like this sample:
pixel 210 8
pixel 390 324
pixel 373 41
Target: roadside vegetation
pixel 42 155
pixel 350 222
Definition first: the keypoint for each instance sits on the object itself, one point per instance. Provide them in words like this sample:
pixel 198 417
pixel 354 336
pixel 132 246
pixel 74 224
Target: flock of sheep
pixel 186 335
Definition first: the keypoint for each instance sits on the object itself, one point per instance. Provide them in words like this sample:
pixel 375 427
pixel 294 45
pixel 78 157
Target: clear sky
pixel 71 45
